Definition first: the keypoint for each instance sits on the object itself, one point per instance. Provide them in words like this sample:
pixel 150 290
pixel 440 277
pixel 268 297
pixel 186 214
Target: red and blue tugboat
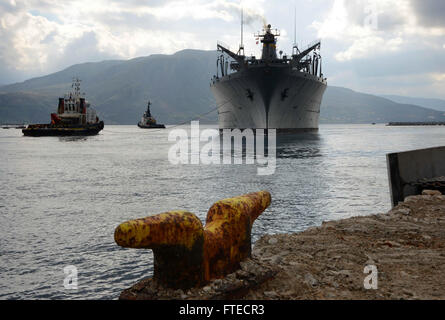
pixel 74 117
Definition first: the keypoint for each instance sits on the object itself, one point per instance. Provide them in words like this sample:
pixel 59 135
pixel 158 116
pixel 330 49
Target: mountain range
pixel 178 87
pixel 436 104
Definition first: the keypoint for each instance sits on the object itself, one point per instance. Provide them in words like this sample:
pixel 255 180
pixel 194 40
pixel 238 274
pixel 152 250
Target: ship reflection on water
pixel 299 146
pixel 73 138
pixel 287 146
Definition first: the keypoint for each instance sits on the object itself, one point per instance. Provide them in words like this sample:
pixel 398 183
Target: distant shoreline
pixel 400 124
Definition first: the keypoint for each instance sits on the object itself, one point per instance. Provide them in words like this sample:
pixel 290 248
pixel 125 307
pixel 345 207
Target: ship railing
pixel 234 66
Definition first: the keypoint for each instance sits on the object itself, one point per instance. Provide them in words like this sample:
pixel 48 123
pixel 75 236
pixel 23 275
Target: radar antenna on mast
pixel 76 86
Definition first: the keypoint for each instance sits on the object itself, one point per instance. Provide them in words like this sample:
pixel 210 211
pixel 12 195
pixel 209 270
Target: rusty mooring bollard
pixel 188 255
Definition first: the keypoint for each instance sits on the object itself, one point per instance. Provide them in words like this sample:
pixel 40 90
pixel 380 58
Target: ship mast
pixel 295 50
pixel 76 86
pixel 148 113
pixel 241 47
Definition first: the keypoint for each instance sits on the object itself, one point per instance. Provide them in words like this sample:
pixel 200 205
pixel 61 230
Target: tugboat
pixel 74 117
pixel 148 122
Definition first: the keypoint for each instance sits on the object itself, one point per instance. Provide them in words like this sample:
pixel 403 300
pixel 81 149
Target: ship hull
pixel 51 130
pixel 151 126
pixel 269 97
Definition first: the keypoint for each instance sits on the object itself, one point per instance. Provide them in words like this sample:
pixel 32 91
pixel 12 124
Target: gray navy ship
pixel 274 92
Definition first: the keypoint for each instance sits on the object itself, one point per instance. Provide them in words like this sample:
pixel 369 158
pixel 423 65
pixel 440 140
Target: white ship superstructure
pixel 74 108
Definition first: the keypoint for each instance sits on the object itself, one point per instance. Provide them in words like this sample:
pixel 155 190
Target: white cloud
pixel 370 45
pixel 35 36
pixel 438 77
pixel 366 30
pixel 335 24
pixel 203 10
pixel 395 51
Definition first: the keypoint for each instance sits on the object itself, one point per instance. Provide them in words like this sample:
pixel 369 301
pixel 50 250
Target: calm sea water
pixel 61 198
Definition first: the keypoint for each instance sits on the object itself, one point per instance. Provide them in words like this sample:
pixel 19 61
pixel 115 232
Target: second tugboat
pixel 74 117
pixel 148 122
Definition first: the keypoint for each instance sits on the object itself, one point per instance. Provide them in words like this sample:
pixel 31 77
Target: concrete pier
pixel 405 247
pixel 407 169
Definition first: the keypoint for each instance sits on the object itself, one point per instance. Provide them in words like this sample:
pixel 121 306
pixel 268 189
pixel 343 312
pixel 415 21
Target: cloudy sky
pixel 374 46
